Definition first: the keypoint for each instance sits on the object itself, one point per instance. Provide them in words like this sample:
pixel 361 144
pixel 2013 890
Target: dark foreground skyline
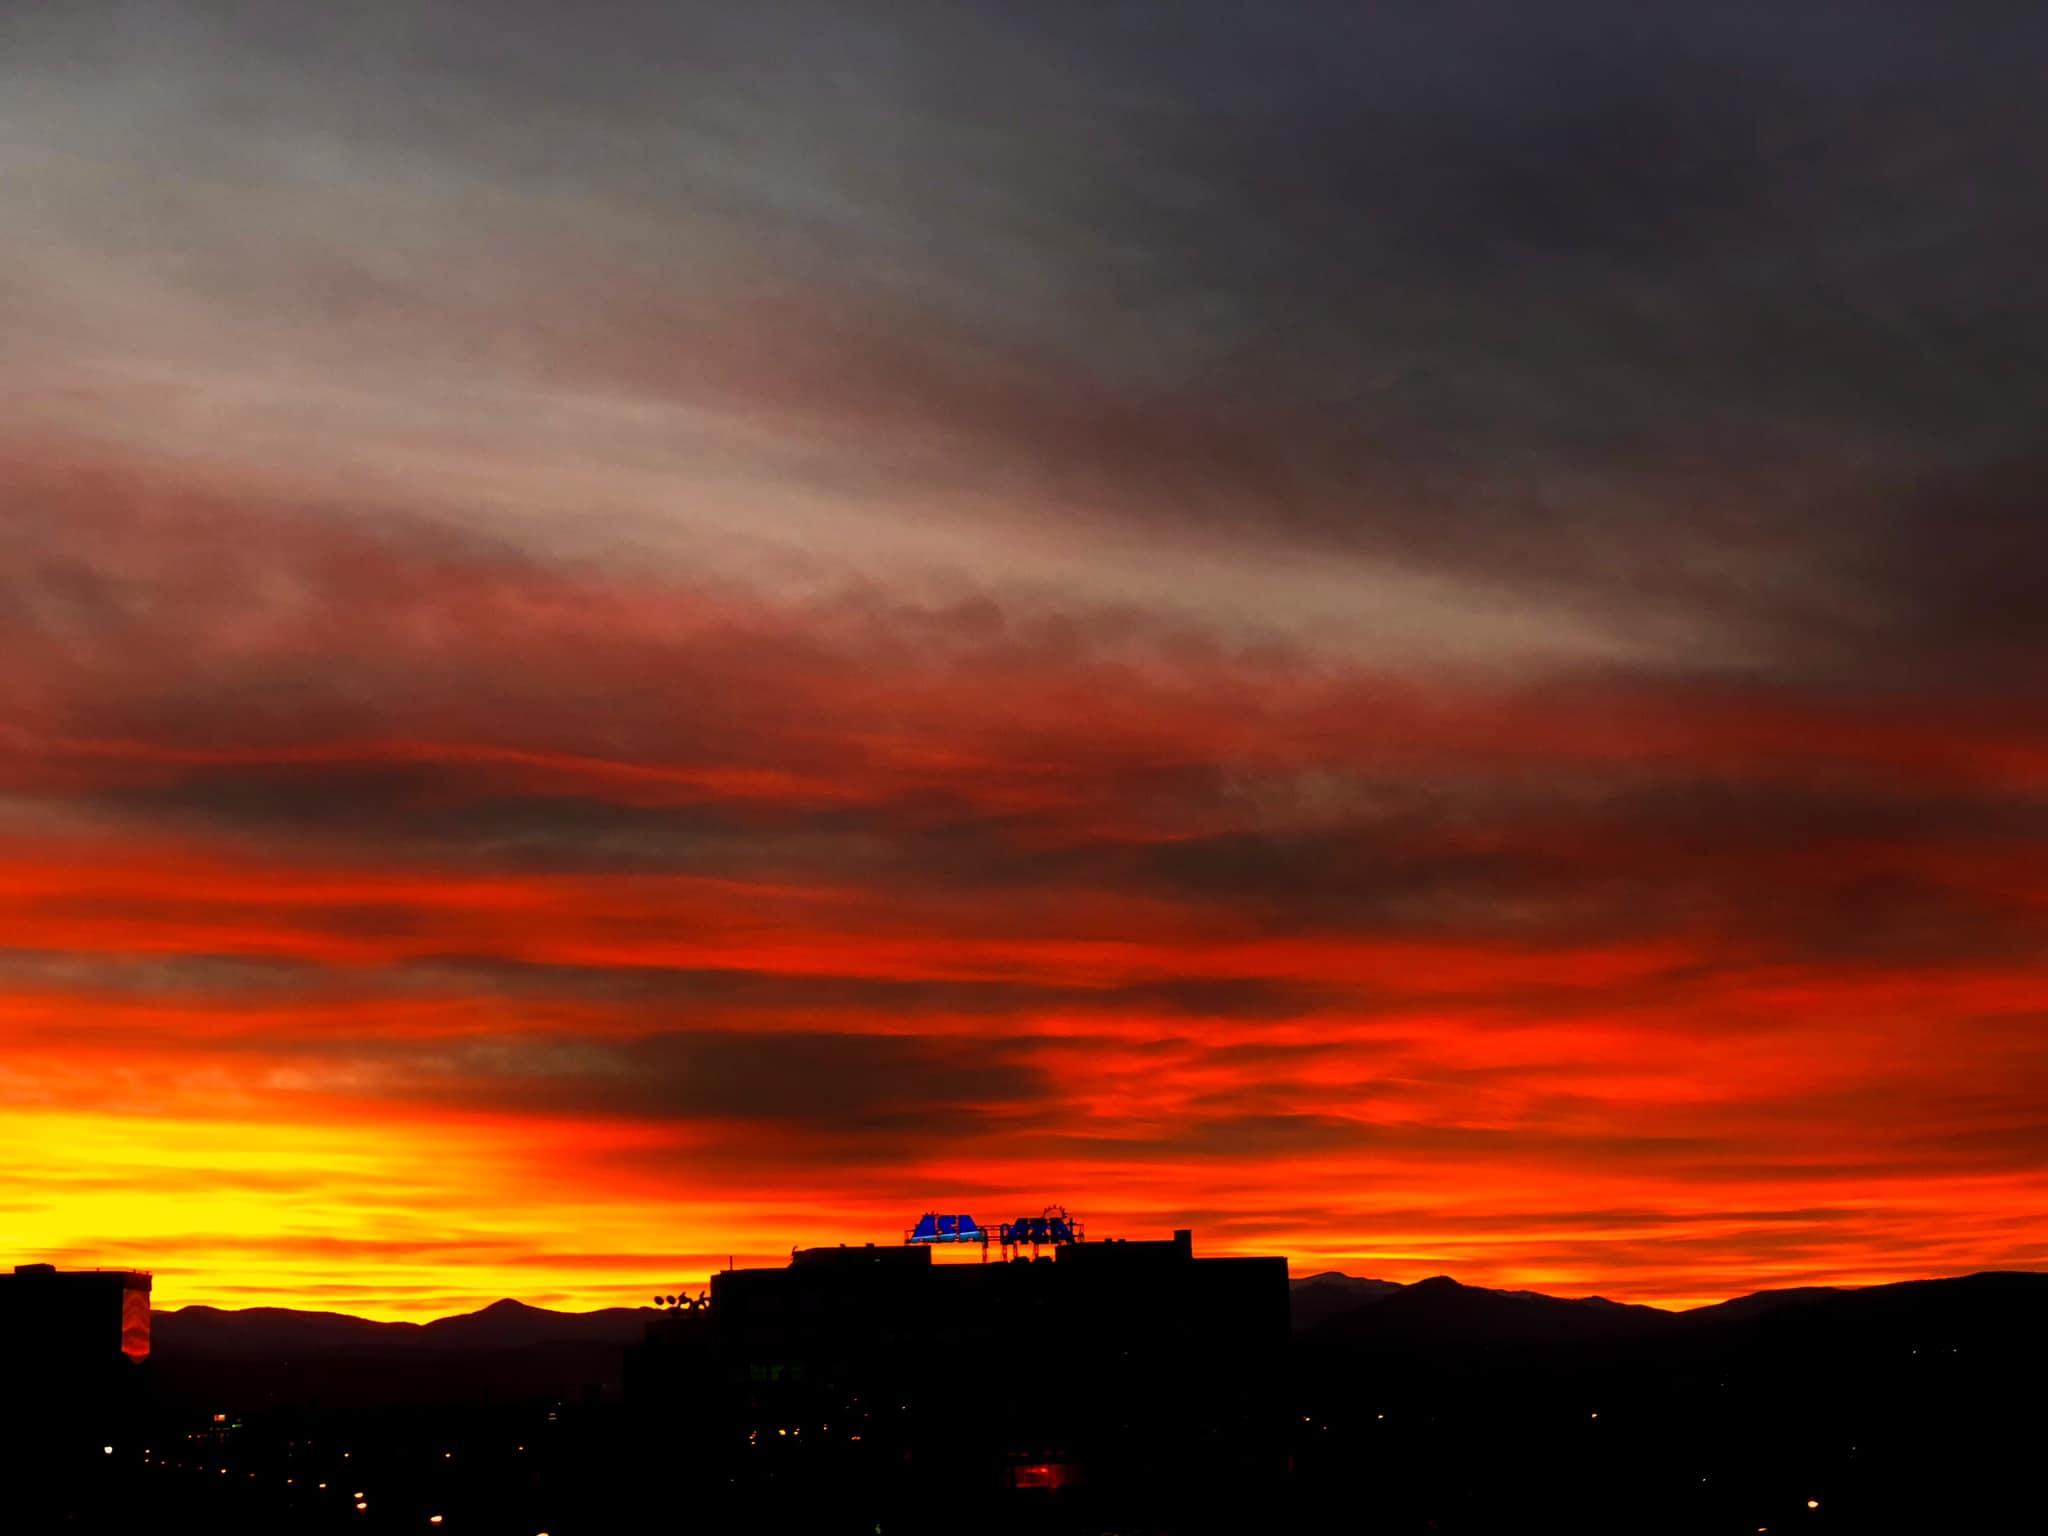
pixel 1094 1389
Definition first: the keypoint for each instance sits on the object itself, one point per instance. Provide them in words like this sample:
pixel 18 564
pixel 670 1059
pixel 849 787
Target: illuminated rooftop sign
pixel 934 1228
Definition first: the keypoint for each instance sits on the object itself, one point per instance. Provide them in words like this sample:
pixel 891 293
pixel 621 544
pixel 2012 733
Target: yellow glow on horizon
pixel 396 1219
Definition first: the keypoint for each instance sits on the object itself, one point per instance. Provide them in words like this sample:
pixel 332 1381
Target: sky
pixel 1411 635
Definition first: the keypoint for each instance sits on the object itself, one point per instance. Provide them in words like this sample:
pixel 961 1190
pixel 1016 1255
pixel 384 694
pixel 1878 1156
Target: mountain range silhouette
pixel 202 1332
pixel 1335 1315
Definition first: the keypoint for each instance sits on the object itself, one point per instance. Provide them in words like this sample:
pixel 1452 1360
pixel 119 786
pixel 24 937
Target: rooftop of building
pixel 128 1279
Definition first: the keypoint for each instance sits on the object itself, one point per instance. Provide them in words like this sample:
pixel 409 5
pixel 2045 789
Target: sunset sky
pixel 1414 635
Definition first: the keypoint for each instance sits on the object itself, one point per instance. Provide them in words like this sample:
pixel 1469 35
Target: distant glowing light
pixel 1813 1503
pixel 106 1450
pixel 433 1519
pixel 361 1505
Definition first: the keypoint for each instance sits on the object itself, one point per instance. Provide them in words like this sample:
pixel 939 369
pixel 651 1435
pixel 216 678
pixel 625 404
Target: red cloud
pixel 429 886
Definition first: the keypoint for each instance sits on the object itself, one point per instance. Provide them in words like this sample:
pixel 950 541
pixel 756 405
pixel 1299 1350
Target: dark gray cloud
pixel 1814 865
pixel 640 991
pixel 1724 319
pixel 865 1095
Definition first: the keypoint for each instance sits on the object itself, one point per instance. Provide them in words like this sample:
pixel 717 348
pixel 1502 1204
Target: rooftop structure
pixel 1053 1228
pixel 934 1228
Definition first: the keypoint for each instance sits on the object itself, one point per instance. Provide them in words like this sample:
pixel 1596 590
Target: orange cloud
pixel 393 922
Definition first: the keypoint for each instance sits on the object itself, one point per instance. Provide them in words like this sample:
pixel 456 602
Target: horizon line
pixel 1293 1279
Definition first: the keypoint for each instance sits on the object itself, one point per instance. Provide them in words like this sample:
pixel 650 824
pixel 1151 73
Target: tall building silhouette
pixel 75 1346
pixel 1087 1376
pixel 74 1322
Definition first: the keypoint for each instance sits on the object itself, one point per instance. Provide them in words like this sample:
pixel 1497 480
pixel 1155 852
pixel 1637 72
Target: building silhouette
pixel 1097 1377
pixel 74 1322
pixel 74 1347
